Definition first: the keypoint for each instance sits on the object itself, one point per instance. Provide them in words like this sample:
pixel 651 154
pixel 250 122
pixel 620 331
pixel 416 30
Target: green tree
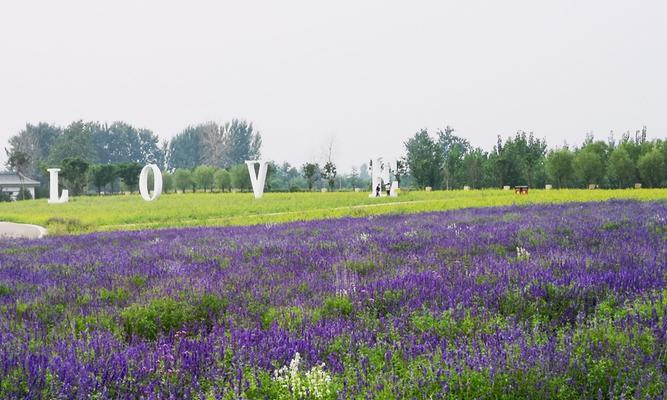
pixel 223 180
pixel 329 174
pixel 75 142
pixel 559 166
pixel 168 184
pixel 74 171
pixel 473 163
pixel 183 179
pixel 102 175
pixel 204 177
pixel 454 149
pixel 310 173
pixel 240 177
pixel 241 143
pixel 36 141
pixel 424 159
pixel 588 167
pixel 129 173
pixel 19 162
pixel 519 160
pixel 185 150
pixel 620 168
pixel 651 168
pixel 122 143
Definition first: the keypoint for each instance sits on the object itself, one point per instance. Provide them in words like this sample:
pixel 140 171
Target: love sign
pixel 256 179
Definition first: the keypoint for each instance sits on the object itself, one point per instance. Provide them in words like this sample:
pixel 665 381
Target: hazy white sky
pixel 365 74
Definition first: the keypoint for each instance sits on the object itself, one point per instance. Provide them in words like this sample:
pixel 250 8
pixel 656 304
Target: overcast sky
pixel 365 74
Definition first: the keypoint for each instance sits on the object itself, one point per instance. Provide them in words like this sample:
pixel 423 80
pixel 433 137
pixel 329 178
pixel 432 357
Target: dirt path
pixel 25 231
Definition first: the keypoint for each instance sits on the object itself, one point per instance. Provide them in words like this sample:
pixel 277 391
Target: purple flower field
pixel 551 301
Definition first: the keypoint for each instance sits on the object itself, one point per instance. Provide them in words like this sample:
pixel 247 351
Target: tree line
pixel 102 158
pixel 448 161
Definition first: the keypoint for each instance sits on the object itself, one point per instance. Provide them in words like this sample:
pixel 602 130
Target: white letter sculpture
pixel 257 180
pixel 53 188
pixel 157 185
pixel 381 178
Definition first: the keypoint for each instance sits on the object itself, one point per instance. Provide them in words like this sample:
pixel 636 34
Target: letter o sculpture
pixel 157 185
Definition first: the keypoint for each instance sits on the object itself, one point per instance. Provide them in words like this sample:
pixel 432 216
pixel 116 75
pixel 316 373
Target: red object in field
pixel 521 189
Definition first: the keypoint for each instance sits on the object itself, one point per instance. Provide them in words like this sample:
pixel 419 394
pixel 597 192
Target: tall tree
pixel 424 159
pixel 329 174
pixel 559 166
pixel 19 162
pixel 240 177
pixel 453 150
pixel 223 180
pixel 183 179
pixel 651 168
pixel 204 177
pixel 185 149
pixel 473 163
pixel 241 143
pixel 75 142
pixel 101 175
pixel 310 173
pixel 588 167
pixel 212 143
pixel 36 141
pixel 519 160
pixel 620 168
pixel 129 173
pixel 74 171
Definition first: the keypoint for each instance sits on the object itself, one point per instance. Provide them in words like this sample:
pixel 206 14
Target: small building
pixel 11 182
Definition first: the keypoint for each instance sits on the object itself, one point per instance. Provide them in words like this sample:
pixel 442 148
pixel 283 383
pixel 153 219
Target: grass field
pixel 130 212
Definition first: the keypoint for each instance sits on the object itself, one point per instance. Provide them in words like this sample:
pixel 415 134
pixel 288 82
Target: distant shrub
pixel 66 225
pixel 159 316
pixel 361 267
pixel 5 290
pixel 163 315
pixel 114 296
pixel 337 306
pixel 290 318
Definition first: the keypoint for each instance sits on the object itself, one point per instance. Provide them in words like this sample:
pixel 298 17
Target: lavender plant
pixel 551 301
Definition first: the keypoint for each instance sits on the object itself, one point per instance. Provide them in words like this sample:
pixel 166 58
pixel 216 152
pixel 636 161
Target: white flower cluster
pixel 522 254
pixel 363 237
pixel 410 234
pixel 313 384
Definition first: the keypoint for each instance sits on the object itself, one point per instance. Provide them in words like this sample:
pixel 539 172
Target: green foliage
pixel 204 177
pixel 589 167
pixel 240 178
pixel 102 175
pixel 183 179
pixel 290 318
pixel 129 173
pixel 164 315
pixel 115 296
pixel 76 141
pixel 329 174
pixel 361 267
pixel 652 168
pixel 5 290
pixel 335 307
pixel 621 169
pixel 559 167
pixel 223 180
pixel 160 316
pixel 424 159
pixel 311 172
pixel 74 171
